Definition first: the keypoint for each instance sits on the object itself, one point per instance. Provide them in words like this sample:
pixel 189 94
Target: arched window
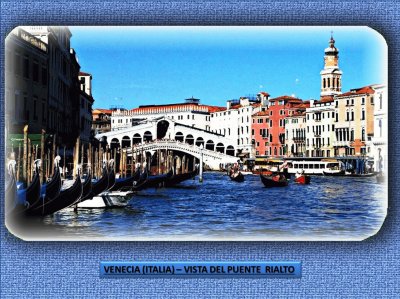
pixel 352 114
pixel 352 135
pixel 338 83
pixel 329 82
pixel 363 134
pixel 324 83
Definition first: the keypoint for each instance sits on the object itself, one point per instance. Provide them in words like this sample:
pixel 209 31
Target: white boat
pixel 107 200
pixel 323 166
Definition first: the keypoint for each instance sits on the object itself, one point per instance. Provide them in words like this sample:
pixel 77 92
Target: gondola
pixel 87 185
pixel 125 182
pixel 178 178
pixel 50 190
pixel 303 179
pixel 99 186
pixel 332 172
pixel 66 198
pixel 270 181
pixel 237 176
pixel 149 181
pixel 30 196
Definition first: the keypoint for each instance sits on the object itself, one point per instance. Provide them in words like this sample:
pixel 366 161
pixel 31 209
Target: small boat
pixel 333 172
pixel 107 199
pixel 121 184
pixel 87 185
pixel 111 175
pixel 274 181
pixel 30 196
pixel 67 197
pixel 179 178
pixel 149 181
pixel 98 186
pixel 302 179
pixel 237 176
pixel 51 189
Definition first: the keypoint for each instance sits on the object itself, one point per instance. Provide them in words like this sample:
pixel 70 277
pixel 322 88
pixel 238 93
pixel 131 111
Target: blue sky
pixel 134 66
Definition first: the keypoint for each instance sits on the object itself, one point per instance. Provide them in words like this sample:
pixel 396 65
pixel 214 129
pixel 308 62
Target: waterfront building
pixel 63 86
pixel 86 102
pixel 354 122
pixel 296 127
pixel 26 82
pixel 190 113
pixel 279 108
pixel 320 133
pixel 260 132
pixel 379 140
pixel 101 120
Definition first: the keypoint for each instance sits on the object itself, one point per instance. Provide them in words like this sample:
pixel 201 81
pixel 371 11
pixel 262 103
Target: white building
pixel 295 137
pixel 236 121
pixel 191 113
pixel 379 141
pixel 320 134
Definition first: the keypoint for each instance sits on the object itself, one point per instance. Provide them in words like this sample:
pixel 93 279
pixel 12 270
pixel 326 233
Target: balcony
pixel 299 139
pixel 341 143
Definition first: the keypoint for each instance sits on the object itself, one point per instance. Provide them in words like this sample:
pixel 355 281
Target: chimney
pixel 228 104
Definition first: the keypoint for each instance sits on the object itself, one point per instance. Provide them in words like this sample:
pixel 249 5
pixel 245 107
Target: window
pixel 17 64
pixel 26 67
pixel 35 108
pixel 363 101
pixel 352 115
pixel 44 76
pixel 363 114
pixel 35 72
pixel 380 101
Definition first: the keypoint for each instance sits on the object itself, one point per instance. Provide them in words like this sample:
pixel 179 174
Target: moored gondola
pixel 237 176
pixel 67 197
pixel 179 178
pixel 98 186
pixel 126 182
pixel 151 181
pixel 274 181
pixel 87 185
pixel 50 190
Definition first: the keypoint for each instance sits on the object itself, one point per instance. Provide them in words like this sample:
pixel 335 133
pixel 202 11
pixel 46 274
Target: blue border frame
pixel 331 269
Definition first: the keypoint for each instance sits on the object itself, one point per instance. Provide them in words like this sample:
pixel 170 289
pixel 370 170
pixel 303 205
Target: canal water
pixel 330 208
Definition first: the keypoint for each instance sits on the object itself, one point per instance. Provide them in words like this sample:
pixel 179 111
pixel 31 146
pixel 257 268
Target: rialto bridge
pixel 151 136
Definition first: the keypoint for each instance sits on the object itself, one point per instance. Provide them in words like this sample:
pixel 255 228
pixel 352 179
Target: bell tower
pixel 331 75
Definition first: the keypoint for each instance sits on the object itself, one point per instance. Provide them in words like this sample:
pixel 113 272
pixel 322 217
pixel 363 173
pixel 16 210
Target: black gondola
pixel 237 177
pixel 149 181
pixel 50 190
pixel 270 181
pixel 99 186
pixel 178 178
pixel 30 196
pixel 66 198
pixel 126 182
pixel 87 185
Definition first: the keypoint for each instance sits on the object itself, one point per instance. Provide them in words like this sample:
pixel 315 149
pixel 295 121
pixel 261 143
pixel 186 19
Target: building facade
pixel 260 132
pixel 26 82
pixel 296 128
pixel 86 102
pixel 379 150
pixel 101 120
pixel 354 122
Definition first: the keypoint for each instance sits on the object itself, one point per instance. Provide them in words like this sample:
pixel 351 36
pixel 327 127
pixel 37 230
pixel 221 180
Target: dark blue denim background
pixel 330 269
